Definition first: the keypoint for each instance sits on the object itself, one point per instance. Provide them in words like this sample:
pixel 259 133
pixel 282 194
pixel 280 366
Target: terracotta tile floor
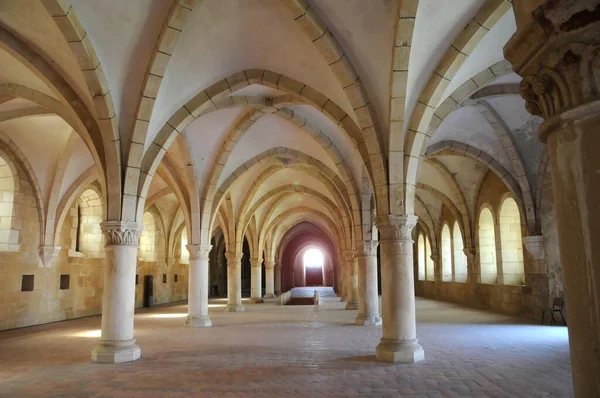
pixel 291 352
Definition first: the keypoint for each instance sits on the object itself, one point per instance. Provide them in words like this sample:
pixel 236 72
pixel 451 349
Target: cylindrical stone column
pixel 256 281
pixel 277 273
pixel 556 50
pixel 234 282
pixel 269 279
pixel 368 299
pixel 399 342
pixel 198 286
pixel 343 281
pixel 118 300
pixel 352 278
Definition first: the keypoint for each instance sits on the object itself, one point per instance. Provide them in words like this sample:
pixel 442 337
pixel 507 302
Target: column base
pixel 269 296
pixel 256 300
pixel 342 298
pixel 398 351
pixel 234 308
pixel 202 322
pixel 351 306
pixel 368 320
pixel 116 352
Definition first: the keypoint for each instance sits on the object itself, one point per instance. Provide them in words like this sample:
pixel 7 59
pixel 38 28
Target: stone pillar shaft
pixel 399 342
pixel 573 150
pixel 352 280
pixel 198 286
pixel 556 50
pixel 256 281
pixel 118 301
pixel 234 282
pixel 269 279
pixel 343 279
pixel 277 273
pixel 368 298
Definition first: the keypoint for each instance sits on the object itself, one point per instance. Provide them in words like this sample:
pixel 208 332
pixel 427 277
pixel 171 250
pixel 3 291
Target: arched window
pixel 429 265
pixel 9 236
pixel 511 243
pixel 421 258
pixel 148 238
pixel 184 257
pixel 87 217
pixel 446 254
pixel 460 259
pixel 487 247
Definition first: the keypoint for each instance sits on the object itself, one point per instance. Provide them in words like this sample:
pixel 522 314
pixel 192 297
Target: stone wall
pixel 541 282
pixel 82 276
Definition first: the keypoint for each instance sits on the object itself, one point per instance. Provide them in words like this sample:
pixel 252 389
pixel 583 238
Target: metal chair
pixel 557 306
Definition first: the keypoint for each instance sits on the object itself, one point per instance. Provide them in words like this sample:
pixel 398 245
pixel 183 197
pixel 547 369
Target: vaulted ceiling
pixel 281 108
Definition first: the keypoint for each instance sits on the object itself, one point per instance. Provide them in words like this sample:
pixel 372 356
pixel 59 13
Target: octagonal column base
pixel 234 308
pixel 202 322
pixel 116 352
pixel 397 351
pixel 368 320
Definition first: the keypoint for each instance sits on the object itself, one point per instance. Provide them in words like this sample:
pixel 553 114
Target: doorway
pixel 313 267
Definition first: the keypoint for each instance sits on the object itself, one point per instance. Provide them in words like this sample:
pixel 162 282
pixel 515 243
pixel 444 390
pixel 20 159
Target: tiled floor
pixel 291 351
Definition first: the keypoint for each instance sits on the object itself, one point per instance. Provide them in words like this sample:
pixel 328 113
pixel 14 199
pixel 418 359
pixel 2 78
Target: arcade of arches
pixel 228 153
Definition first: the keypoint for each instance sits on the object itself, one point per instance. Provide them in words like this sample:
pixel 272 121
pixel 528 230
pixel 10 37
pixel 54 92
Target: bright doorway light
pixel 313 258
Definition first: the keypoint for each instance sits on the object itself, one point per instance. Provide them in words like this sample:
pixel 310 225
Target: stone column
pixel 557 52
pixel 343 281
pixel 472 271
pixel 277 279
pixel 118 301
pixel 399 342
pixel 474 291
pixel 437 271
pixel 256 281
pixel 234 282
pixel 352 280
pixel 198 286
pixel 269 279
pixel 368 299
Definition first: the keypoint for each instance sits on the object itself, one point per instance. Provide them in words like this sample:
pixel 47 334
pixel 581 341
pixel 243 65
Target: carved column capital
pixel 558 56
pixel 255 262
pixel 233 258
pixel 199 251
pixel 126 233
pixel 535 246
pixel 269 264
pixel 366 248
pixel 394 228
pixel 470 253
pixel 48 254
pixel 349 255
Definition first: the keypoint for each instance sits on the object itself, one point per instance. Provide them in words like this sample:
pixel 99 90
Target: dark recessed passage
pixel 65 281
pixel 175 278
pixel 27 283
pixel 137 279
pixel 164 278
